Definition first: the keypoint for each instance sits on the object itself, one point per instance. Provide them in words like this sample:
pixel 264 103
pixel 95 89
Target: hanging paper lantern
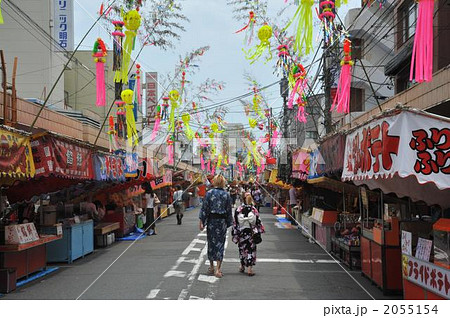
pixel 422 55
pixel 118 36
pixel 127 97
pixel 170 152
pixel 174 96
pixel 249 27
pixel 187 129
pixel 304 34
pixel 264 34
pixel 99 53
pixel 157 123
pixel 342 99
pixel 298 84
pixel 132 21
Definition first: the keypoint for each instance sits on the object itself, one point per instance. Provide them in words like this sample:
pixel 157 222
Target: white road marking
pixel 207 279
pixel 153 293
pixel 198 298
pixel 282 260
pixel 201 234
pixel 191 247
pixel 183 294
pixel 172 273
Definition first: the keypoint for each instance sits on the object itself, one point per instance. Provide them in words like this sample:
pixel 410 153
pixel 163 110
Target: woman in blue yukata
pixel 216 215
pixel 246 225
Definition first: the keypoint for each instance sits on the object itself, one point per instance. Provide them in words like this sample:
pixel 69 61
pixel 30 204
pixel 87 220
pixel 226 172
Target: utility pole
pixel 284 92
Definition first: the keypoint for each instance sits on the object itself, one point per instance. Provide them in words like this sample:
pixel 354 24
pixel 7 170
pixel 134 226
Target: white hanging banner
pixel 407 145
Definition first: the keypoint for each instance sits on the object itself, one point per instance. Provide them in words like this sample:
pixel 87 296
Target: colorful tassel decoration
pixel 284 61
pixel 132 137
pixel 298 84
pixel 202 161
pixel 165 106
pixel 342 99
pixel 120 118
pixel 132 21
pixel 157 123
pixel 327 16
pixel 174 97
pixel 99 53
pixel 304 34
pixel 422 54
pixel 118 36
pixel 264 34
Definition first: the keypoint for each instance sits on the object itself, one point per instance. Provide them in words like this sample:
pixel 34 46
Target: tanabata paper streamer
pixel 339 2
pixel 264 34
pixel 132 21
pixel 120 118
pixel 200 140
pixel 170 152
pixel 342 99
pixel 118 36
pixel 138 84
pixel 249 27
pixel 326 17
pixel 202 160
pixel 165 106
pixel 112 135
pixel 215 128
pixel 252 122
pixel 301 114
pixel 304 34
pixel 219 161
pixel 256 103
pixel 283 62
pixel 99 53
pixel 213 145
pixel 298 84
pixel 173 96
pixel 422 54
pixel 157 123
pixel 1 17
pixel 132 137
pixel 187 128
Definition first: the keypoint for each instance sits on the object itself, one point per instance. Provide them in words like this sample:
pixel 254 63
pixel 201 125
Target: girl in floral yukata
pixel 246 223
pixel 216 214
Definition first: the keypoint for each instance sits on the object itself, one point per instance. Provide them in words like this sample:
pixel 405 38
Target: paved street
pixel 172 265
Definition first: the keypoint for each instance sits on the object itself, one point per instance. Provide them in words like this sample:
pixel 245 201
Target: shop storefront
pixel 402 159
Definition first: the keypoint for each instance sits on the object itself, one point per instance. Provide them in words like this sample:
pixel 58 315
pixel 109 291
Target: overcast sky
pixel 211 23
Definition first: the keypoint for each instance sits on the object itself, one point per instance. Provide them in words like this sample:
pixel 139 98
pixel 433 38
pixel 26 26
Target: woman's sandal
pixel 211 271
pixel 251 274
pixel 219 274
pixel 241 269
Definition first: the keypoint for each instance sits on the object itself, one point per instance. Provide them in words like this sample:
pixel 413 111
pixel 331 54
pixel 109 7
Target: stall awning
pixel 16 161
pixel 333 185
pixel 406 152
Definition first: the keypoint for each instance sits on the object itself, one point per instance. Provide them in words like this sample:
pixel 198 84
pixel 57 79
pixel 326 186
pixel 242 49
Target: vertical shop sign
pixel 151 94
pixel 63 24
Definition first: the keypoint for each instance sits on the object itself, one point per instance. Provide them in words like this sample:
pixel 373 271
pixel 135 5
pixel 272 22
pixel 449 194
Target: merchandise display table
pixel 348 254
pixel 26 258
pixel 126 220
pixel 102 230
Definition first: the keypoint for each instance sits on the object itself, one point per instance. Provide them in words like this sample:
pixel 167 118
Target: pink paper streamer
pixel 202 160
pixel 138 90
pixel 155 129
pixel 170 154
pixel 301 115
pixel 341 101
pixel 298 89
pixel 100 77
pixel 422 55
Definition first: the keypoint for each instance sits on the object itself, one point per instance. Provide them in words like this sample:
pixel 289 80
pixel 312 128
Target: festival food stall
pixel 62 158
pixel 22 249
pixel 402 152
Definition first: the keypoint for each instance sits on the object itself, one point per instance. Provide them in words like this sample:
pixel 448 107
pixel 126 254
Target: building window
pixel 66 100
pixel 356 99
pixel 357 48
pixel 406 24
pixel 311 135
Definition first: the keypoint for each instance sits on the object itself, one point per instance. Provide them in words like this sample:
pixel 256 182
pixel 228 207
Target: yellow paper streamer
pixel 127 97
pixel 173 97
pixel 132 21
pixel 188 130
pixel 1 17
pixel 215 128
pixel 264 34
pixel 304 35
pixel 213 145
